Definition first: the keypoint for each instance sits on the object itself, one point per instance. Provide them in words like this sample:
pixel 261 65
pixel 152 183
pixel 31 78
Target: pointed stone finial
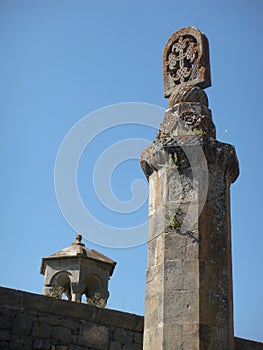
pixel 186 60
pixel 78 240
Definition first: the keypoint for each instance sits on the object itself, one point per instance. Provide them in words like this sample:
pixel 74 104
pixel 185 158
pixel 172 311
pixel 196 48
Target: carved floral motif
pixel 181 61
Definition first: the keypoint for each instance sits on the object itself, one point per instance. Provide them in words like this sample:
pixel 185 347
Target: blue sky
pixel 62 60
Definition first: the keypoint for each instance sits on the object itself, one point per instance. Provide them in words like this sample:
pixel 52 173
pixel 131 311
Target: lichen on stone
pixel 56 292
pixel 175 220
pixel 96 300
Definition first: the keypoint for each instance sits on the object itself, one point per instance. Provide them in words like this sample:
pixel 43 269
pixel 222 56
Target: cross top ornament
pixel 186 61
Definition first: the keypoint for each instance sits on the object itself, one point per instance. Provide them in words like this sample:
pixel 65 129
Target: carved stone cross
pixel 186 60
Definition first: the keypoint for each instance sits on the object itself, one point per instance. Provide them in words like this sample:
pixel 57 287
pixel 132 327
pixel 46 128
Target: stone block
pixel 61 335
pixel 64 308
pixel 92 335
pixel 122 336
pixel 155 308
pixel 181 275
pixel 41 344
pixel 175 246
pixel 176 333
pixel 22 324
pixel 41 330
pixel 36 302
pixel 70 324
pixel 114 345
pixel 157 223
pixel 206 336
pixel 132 346
pixel 138 338
pixel 51 321
pixel 115 318
pixel 6 319
pixel 4 335
pixel 192 344
pixel 156 196
pixel 190 331
pixel 140 324
pixel 4 345
pixel 78 347
pixel 181 306
pixel 244 344
pixel 9 297
pixel 20 342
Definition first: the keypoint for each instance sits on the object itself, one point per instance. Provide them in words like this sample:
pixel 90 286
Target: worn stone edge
pixel 252 344
pixel 21 300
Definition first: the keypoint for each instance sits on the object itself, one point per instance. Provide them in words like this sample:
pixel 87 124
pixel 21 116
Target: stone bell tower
pixel 189 302
pixel 75 271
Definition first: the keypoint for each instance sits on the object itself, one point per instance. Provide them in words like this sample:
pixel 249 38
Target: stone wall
pixel 30 321
pixel 243 344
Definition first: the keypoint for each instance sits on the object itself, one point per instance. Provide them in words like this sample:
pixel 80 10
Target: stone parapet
pixel 35 322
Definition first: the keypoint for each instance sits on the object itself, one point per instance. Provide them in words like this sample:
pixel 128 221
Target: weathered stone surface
pixel 244 344
pixel 192 269
pixel 132 346
pixel 9 297
pixel 35 302
pixel 41 330
pixel 186 60
pixel 53 321
pixel 20 342
pixel 61 335
pixel 188 94
pixel 41 344
pixel 122 336
pixel 78 347
pixel 61 347
pixel 188 301
pixel 22 325
pixel 4 345
pixel 6 319
pixel 4 335
pixel 114 345
pixel 60 325
pixel 186 118
pixel 94 336
pixel 138 338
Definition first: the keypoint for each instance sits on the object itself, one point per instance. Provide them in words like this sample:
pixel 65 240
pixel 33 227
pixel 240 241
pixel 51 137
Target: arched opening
pixel 61 286
pixel 94 291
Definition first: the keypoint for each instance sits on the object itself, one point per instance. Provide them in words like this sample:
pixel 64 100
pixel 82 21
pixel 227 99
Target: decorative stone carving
pixel 186 60
pixel 188 94
pixel 186 72
pixel 187 119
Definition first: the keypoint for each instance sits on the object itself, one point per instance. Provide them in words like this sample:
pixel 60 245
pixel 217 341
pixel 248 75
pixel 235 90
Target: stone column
pixel 76 297
pixel 189 302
